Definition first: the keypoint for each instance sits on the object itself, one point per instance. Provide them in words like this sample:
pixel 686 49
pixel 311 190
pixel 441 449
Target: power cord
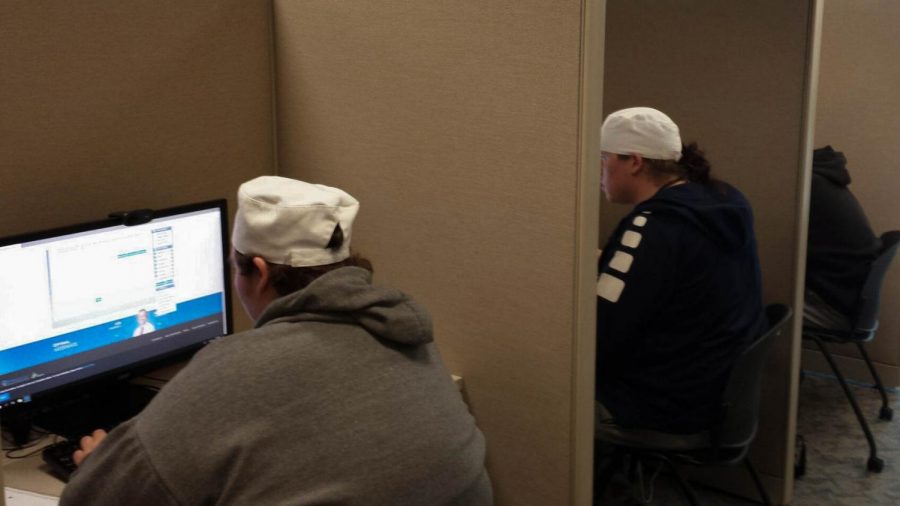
pixel 45 438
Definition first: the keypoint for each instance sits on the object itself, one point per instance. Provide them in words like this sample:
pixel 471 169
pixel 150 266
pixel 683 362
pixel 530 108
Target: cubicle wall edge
pixel 273 71
pixel 814 31
pixel 587 228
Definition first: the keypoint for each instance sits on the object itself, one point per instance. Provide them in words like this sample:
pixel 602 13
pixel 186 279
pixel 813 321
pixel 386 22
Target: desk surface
pixel 30 473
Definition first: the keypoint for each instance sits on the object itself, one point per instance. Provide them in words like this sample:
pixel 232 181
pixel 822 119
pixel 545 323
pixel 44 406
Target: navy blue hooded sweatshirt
pixel 678 298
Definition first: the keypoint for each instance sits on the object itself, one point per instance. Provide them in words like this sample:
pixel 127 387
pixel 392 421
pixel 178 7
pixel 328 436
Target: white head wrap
pixel 291 222
pixel 641 130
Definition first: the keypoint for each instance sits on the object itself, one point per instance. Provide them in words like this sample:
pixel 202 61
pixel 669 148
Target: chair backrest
pixel 870 297
pixel 740 400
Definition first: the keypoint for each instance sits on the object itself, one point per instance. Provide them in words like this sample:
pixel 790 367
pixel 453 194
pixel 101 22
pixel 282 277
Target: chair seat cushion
pixel 834 336
pixel 651 439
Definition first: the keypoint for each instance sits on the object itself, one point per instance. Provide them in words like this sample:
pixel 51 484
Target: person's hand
pixel 88 443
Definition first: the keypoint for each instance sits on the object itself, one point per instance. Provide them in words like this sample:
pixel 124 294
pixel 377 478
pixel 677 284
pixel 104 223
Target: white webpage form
pixel 85 290
pixel 157 265
pixel 164 269
pixel 198 259
pixel 95 277
pixel 187 259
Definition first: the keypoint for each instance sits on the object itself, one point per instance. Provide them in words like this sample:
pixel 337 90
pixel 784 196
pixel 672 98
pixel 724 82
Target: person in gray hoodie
pixel 338 395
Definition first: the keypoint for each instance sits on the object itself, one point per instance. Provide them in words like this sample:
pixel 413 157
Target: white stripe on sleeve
pixel 610 287
pixel 621 261
pixel 631 238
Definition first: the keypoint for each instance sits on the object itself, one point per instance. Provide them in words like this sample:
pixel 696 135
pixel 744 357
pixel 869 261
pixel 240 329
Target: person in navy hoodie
pixel 679 288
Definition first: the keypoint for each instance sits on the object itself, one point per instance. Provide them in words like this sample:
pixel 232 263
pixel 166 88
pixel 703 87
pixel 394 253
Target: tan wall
pixel 731 74
pixel 456 124
pixel 111 105
pixel 858 112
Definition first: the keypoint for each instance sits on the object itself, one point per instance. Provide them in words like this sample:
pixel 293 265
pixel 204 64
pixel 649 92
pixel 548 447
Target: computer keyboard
pixel 58 457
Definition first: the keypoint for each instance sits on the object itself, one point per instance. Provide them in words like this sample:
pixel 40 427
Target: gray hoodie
pixel 338 396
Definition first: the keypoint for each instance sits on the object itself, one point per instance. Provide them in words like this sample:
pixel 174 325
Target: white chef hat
pixel 641 130
pixel 290 222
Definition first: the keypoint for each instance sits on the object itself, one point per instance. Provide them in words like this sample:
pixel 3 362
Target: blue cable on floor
pixel 856 383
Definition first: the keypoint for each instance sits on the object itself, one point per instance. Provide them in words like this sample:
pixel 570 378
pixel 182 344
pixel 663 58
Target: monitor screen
pixel 102 298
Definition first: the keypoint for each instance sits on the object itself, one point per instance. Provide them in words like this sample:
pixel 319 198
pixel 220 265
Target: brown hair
pixel 693 166
pixel 286 279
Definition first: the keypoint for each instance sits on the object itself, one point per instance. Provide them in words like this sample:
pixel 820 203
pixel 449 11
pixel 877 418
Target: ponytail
pixel 694 164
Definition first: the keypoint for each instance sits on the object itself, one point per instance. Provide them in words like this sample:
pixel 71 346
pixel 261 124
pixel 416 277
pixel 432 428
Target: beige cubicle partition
pixel 468 131
pixel 109 105
pixel 858 113
pixel 735 77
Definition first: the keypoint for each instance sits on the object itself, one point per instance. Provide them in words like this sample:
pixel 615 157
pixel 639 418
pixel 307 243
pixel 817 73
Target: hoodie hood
pixel 347 295
pixel 721 212
pixel 832 165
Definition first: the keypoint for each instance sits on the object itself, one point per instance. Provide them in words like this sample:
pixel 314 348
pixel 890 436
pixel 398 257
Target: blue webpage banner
pixel 64 345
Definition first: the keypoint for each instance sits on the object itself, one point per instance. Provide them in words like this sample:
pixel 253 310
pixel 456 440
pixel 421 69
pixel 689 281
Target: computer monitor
pixel 103 300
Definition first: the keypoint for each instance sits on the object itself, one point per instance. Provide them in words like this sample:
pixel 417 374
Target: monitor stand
pixel 103 407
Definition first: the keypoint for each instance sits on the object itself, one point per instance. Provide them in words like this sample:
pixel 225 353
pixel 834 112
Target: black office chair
pixel 863 330
pixel 727 443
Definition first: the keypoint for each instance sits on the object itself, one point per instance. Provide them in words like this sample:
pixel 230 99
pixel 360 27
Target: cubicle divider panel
pixel 456 124
pixel 732 75
pixel 110 105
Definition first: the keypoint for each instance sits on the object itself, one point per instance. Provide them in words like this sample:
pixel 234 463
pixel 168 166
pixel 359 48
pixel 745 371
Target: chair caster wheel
pixel 886 413
pixel 875 464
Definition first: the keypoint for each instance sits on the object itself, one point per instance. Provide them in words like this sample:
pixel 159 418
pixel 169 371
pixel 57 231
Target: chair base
pixel 799 457
pixel 874 464
pixel 886 413
pixel 639 456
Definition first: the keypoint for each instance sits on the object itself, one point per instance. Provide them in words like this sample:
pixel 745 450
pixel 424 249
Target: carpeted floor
pixel 836 454
pixel 836 447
